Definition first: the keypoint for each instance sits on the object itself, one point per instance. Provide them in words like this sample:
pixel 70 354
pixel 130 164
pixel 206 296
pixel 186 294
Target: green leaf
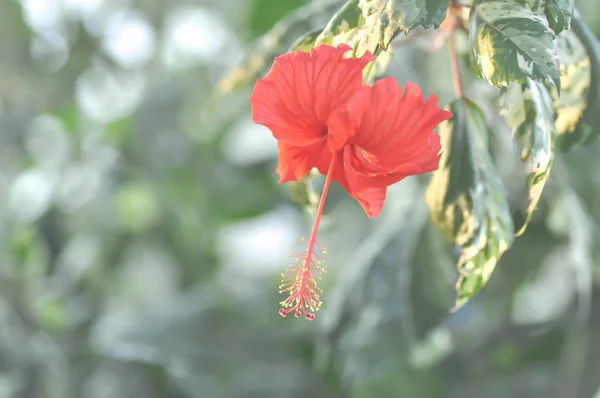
pixel 559 14
pixel 137 207
pixel 512 43
pixel 304 194
pixel 52 313
pixel 306 42
pixel 370 25
pixel 435 13
pixel 582 73
pixel 467 199
pixel 343 27
pixel 527 109
pixel 389 17
pixel 536 6
pixel 276 42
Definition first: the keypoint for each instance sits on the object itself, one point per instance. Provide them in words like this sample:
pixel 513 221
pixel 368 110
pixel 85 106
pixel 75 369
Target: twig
pixel 454 65
pixel 455 4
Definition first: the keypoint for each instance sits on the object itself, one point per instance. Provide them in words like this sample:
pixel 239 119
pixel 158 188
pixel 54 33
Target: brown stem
pixel 454 66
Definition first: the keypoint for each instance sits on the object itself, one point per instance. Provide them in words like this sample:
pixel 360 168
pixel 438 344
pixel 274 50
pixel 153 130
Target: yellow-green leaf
pixel 510 43
pixel 527 109
pixel 583 74
pixel 467 199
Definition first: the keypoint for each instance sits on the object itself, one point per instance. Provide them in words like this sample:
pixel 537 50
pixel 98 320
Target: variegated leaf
pixel 583 74
pixel 527 109
pixel 575 69
pixel 389 17
pixel 467 199
pixel 536 6
pixel 559 14
pixel 346 26
pixel 370 25
pixel 510 43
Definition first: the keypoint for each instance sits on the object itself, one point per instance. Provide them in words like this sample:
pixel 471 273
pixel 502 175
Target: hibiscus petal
pixel 345 123
pixel 384 136
pixel 296 162
pixel 295 99
pixel 371 197
pixel 368 121
pixel 371 200
pixel 432 115
pixel 391 134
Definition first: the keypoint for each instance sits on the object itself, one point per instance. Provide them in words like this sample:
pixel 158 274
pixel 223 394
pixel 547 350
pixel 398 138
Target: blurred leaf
pixel 22 241
pixel 559 14
pixel 575 77
pixel 263 14
pixel 377 68
pixel 467 199
pixel 304 194
pixel 586 129
pixel 306 42
pixel 431 350
pixel 276 42
pixel 69 116
pixel 260 195
pixel 402 220
pixel 527 109
pixel 398 380
pixel 51 313
pixel 30 253
pixel 432 277
pixel 118 130
pixel 137 207
pixel 511 43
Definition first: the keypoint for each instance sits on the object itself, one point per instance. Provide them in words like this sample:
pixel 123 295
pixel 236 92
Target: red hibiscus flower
pixel 365 138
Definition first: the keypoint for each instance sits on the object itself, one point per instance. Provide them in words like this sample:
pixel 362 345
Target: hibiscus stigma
pixel 299 280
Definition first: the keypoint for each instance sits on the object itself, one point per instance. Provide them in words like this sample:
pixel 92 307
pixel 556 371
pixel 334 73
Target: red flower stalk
pixel 365 138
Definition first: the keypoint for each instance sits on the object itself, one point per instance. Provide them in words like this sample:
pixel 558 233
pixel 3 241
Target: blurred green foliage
pixel 143 231
pixel 263 14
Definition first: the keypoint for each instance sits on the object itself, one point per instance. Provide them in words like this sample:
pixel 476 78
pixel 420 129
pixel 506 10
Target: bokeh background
pixel 142 231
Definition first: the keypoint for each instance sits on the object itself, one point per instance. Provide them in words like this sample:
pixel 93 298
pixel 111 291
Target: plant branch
pixel 454 66
pixel 456 4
